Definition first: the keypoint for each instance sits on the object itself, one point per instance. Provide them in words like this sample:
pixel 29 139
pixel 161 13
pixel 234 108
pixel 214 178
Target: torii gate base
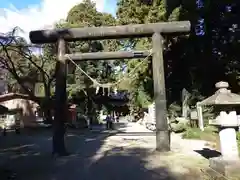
pixel 113 32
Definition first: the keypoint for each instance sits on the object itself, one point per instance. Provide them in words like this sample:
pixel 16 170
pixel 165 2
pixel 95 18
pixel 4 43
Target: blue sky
pixel 38 14
pixel 19 4
pixel 109 5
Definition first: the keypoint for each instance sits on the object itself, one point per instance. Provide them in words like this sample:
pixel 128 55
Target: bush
pixel 178 127
pixel 174 110
pixel 178 124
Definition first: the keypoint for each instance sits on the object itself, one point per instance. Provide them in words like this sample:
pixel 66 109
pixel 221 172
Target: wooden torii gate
pixel 154 30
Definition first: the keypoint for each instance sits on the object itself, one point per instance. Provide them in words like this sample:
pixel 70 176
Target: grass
pixel 210 134
pixel 238 141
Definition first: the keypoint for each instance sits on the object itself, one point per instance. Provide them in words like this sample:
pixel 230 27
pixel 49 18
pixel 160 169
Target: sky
pixel 40 14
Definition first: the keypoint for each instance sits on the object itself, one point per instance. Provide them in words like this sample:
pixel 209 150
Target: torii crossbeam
pixel 154 30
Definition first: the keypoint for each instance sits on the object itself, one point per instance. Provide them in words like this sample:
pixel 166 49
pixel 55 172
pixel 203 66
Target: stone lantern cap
pixel 222 96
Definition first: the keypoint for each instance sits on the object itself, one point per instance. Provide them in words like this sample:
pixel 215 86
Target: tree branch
pixel 21 52
pixel 12 69
pixel 16 46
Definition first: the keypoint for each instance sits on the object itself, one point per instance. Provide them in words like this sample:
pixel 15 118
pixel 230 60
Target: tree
pixel 222 39
pixel 26 70
pixel 82 15
pixel 140 12
pixel 196 62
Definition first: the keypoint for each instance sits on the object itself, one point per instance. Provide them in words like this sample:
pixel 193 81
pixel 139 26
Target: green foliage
pixel 137 12
pixel 189 59
pixel 192 133
pixel 85 14
pixel 24 69
pixel 82 15
pixel 142 99
pixel 209 134
pixel 238 140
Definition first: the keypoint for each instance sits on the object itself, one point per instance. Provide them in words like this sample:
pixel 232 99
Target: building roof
pixel 222 96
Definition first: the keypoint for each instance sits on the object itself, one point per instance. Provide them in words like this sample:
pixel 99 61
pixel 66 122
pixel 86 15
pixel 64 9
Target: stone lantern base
pixel 228 168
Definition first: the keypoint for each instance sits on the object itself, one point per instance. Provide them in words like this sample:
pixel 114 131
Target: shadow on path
pixel 208 153
pixel 29 156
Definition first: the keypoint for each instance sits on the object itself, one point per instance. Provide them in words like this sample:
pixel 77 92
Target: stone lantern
pixel 227 123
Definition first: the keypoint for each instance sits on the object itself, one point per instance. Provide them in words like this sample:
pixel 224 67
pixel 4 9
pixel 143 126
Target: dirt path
pixel 183 159
pixel 124 154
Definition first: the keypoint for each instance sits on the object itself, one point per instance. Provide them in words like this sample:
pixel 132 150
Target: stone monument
pixel 228 164
pixel 185 107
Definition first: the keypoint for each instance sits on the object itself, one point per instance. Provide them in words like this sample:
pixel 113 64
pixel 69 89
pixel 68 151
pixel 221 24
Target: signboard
pixel 39 90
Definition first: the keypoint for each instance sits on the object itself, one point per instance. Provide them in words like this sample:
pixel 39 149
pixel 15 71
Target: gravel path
pixel 136 140
pixel 127 153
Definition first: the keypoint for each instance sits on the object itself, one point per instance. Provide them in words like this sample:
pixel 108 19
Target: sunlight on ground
pixel 180 161
pixel 132 147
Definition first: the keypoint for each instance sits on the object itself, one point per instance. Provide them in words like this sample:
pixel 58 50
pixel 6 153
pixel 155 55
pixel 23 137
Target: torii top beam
pixel 108 32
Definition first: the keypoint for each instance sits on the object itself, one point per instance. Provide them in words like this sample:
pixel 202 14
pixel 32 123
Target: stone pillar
pixel 162 131
pixel 228 143
pixel 229 163
pixel 200 117
pixel 185 106
pixel 227 134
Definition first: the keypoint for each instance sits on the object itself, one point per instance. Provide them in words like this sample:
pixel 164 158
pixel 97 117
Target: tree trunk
pixel 47 114
pixel 47 105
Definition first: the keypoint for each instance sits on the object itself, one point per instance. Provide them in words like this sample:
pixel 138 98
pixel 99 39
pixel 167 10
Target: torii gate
pixel 154 30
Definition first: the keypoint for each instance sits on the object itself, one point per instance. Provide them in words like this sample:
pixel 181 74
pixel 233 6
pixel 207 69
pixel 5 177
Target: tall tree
pixel 133 12
pixel 85 14
pixel 189 60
